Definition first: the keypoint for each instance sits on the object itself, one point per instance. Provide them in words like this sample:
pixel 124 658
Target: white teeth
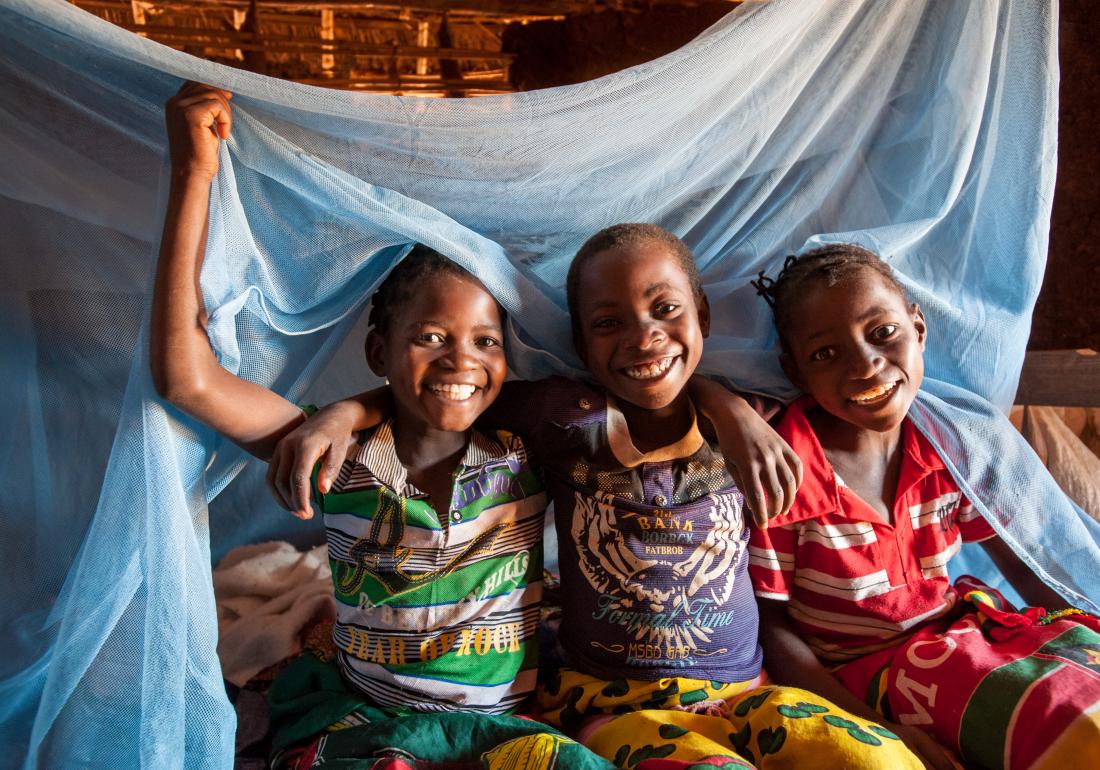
pixel 649 371
pixel 872 393
pixel 454 392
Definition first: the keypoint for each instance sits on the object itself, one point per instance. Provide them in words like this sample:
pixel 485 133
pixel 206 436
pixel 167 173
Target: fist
pixel 198 117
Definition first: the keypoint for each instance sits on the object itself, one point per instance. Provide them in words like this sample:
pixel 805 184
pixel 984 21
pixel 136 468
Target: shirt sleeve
pixel 518 409
pixel 771 561
pixel 972 525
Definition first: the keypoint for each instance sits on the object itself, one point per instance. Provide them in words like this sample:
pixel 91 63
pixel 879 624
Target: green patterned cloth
pixel 318 721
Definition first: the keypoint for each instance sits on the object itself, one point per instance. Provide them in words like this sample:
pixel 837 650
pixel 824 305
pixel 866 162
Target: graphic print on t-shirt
pixel 384 557
pixel 664 577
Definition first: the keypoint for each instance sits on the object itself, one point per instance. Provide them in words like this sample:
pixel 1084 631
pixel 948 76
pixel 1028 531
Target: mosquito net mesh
pixel 923 130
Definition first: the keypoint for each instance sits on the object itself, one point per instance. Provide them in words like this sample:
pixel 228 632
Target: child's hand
pixel 764 466
pixel 766 469
pixel 931 752
pixel 325 437
pixel 197 117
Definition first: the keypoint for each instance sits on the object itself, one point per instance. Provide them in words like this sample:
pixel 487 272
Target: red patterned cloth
pixel 1004 688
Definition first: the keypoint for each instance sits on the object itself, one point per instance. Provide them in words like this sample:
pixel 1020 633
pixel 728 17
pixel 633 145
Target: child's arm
pixel 765 468
pixel 790 661
pixel 184 368
pixel 1035 592
pixel 323 438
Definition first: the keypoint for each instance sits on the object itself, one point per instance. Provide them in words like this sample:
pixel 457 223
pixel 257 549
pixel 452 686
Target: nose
pixel 646 334
pixel 864 362
pixel 461 356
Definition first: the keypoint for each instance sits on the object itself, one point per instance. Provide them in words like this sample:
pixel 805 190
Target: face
pixel 858 349
pixel 443 354
pixel 640 327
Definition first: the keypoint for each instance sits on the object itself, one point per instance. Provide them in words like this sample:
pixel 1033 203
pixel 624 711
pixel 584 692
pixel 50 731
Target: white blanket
pixel 268 596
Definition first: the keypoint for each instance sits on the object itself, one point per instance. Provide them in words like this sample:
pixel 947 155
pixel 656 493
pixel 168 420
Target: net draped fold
pixel 922 130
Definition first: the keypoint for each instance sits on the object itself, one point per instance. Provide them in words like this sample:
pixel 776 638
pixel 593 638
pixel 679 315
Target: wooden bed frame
pixel 1060 378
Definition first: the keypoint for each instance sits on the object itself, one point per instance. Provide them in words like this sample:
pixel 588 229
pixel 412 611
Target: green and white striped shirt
pixel 438 613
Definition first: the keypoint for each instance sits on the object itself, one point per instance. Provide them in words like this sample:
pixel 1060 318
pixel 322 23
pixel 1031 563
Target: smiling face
pixel 857 348
pixel 640 327
pixel 443 354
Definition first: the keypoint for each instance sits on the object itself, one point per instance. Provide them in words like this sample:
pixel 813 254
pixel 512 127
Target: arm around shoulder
pixel 766 469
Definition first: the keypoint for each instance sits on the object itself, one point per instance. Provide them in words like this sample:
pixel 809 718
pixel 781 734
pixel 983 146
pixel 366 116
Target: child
pixel 854 577
pixel 658 616
pixel 434 530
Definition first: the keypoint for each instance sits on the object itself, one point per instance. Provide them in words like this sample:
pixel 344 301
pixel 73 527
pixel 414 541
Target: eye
pixel 884 332
pixel 666 308
pixel 604 323
pixel 822 354
pixel 488 342
pixel 430 338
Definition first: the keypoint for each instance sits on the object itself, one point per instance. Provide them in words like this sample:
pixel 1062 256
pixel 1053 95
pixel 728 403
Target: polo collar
pixel 622 445
pixel 819 494
pixel 379 456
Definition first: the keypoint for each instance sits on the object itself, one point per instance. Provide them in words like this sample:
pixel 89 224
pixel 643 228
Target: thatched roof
pixel 426 47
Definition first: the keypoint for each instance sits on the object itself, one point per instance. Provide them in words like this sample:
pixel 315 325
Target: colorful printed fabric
pixel 318 720
pixel 683 723
pixel 568 698
pixel 853 583
pixel 1005 689
pixel 437 612
pixel 652 546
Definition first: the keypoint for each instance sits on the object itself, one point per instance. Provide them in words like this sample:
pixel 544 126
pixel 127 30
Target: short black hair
pixel 620 236
pixel 833 264
pixel 419 265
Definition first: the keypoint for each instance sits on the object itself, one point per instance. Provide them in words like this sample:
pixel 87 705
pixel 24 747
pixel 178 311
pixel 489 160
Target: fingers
pixel 794 462
pixel 299 481
pixel 204 106
pixel 290 488
pixel 757 501
pixel 330 467
pixel 209 109
pixel 789 483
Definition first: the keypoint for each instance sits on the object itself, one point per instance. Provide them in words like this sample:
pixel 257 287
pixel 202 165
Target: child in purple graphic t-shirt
pixel 658 611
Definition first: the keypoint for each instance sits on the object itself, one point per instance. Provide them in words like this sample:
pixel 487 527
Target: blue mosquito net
pixel 923 130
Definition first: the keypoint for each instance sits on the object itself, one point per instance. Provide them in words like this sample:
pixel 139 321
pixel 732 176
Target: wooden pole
pixel 328 32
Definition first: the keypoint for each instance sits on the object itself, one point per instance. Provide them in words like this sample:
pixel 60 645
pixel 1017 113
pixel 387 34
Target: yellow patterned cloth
pixel 729 725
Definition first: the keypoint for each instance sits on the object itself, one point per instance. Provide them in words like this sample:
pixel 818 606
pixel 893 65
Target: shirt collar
pixel 819 494
pixel 379 456
pixel 622 446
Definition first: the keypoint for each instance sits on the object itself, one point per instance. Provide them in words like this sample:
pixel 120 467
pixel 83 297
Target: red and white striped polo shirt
pixel 852 582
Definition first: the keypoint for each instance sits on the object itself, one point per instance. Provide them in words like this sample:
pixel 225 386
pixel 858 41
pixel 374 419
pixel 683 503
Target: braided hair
pixel 420 265
pixel 833 264
pixel 623 236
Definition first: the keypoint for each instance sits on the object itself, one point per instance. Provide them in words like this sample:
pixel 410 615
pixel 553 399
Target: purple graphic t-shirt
pixel 652 546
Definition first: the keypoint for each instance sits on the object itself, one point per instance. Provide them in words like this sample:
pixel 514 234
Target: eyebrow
pixel 653 288
pixel 483 326
pixel 650 290
pixel 871 312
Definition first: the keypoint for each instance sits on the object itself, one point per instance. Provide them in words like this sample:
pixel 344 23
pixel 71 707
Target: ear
pixel 919 324
pixel 703 306
pixel 791 370
pixel 375 349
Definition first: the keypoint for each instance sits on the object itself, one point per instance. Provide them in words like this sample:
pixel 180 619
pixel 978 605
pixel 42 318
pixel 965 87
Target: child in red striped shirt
pixel 856 603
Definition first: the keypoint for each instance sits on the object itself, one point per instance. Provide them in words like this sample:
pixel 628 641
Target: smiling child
pixel 434 529
pixel 855 597
pixel 659 624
